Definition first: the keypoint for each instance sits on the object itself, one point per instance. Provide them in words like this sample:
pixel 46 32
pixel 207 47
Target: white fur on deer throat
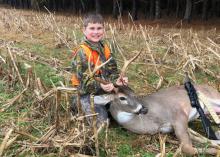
pixel 194 114
pixel 123 117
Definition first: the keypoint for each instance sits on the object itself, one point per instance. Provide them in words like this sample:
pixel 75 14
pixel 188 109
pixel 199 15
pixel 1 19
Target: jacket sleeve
pixel 87 85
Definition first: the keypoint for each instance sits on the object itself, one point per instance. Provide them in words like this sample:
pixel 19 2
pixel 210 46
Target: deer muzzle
pixel 141 110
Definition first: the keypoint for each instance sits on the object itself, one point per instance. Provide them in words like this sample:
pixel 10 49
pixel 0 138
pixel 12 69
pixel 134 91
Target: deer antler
pixel 96 68
pixel 127 62
pixel 123 70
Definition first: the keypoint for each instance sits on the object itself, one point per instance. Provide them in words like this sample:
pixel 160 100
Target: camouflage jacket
pixel 88 85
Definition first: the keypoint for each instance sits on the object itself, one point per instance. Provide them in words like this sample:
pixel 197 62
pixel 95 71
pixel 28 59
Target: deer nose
pixel 143 110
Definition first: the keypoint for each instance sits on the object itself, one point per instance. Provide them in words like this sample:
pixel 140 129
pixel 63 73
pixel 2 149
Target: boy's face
pixel 94 32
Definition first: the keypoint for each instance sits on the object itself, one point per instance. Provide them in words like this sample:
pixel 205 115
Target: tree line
pixel 149 9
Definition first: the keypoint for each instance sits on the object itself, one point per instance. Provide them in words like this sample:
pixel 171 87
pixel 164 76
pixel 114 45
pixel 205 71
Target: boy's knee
pixel 102 114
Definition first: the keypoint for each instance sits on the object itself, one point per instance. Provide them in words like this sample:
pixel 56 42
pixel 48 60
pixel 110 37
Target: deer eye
pixel 122 98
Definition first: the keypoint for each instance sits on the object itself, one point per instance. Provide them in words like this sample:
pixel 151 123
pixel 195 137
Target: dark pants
pixel 86 108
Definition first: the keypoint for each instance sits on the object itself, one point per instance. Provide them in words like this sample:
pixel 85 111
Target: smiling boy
pixel 96 49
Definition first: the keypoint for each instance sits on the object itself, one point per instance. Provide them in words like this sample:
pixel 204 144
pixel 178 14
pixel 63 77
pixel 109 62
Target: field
pixel 35 58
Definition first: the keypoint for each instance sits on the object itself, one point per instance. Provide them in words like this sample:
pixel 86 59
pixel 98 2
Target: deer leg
pixel 180 128
pixel 214 145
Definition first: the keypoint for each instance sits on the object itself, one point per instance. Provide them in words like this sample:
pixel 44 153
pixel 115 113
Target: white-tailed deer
pixel 164 111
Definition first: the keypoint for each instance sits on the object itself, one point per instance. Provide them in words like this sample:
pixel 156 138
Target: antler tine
pixel 127 62
pixel 123 70
pixel 92 73
pixel 98 67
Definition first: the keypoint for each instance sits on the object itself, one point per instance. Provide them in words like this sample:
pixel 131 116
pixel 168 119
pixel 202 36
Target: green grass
pixel 63 54
pixel 215 69
pixel 152 78
pixel 202 77
pixel 125 150
pixel 122 141
pixel 7 93
pixel 7 116
pixel 47 75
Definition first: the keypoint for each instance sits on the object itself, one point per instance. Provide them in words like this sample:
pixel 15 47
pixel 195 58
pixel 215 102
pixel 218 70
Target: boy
pixel 96 49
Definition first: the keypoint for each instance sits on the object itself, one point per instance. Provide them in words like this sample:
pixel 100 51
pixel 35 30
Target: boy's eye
pixel 95 28
pixel 99 28
pixel 92 28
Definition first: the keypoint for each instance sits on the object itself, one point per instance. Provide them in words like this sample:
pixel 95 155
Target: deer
pixel 167 110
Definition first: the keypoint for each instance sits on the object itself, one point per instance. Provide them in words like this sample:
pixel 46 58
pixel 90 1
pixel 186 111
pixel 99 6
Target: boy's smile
pixel 94 32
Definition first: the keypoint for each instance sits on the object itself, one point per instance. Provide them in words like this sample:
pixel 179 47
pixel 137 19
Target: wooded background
pixel 136 9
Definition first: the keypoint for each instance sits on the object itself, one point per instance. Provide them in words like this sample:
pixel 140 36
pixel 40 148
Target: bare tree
pixel 117 8
pixel 157 9
pixel 97 6
pixel 188 10
pixel 204 10
pixel 152 4
pixel 134 9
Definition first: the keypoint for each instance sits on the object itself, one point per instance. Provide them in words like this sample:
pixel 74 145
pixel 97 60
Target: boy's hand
pixel 122 81
pixel 107 87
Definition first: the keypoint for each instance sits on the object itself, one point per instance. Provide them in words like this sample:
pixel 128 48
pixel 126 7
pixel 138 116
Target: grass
pixel 63 54
pixel 122 141
pixel 153 78
pixel 125 150
pixel 48 75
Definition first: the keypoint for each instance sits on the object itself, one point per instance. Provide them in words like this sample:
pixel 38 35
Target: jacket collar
pixel 98 47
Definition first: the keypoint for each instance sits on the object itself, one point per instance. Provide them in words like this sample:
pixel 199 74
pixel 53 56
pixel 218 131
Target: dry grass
pixel 32 125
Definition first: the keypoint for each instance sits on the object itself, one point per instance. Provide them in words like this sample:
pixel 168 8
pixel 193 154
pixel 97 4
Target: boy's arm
pixel 86 85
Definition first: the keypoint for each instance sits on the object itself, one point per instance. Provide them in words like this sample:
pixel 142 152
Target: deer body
pixel 167 110
pixel 163 111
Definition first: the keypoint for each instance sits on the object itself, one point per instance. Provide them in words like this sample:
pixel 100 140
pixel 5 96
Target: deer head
pixel 126 100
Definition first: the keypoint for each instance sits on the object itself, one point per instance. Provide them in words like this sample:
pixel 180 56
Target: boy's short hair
pixel 92 18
